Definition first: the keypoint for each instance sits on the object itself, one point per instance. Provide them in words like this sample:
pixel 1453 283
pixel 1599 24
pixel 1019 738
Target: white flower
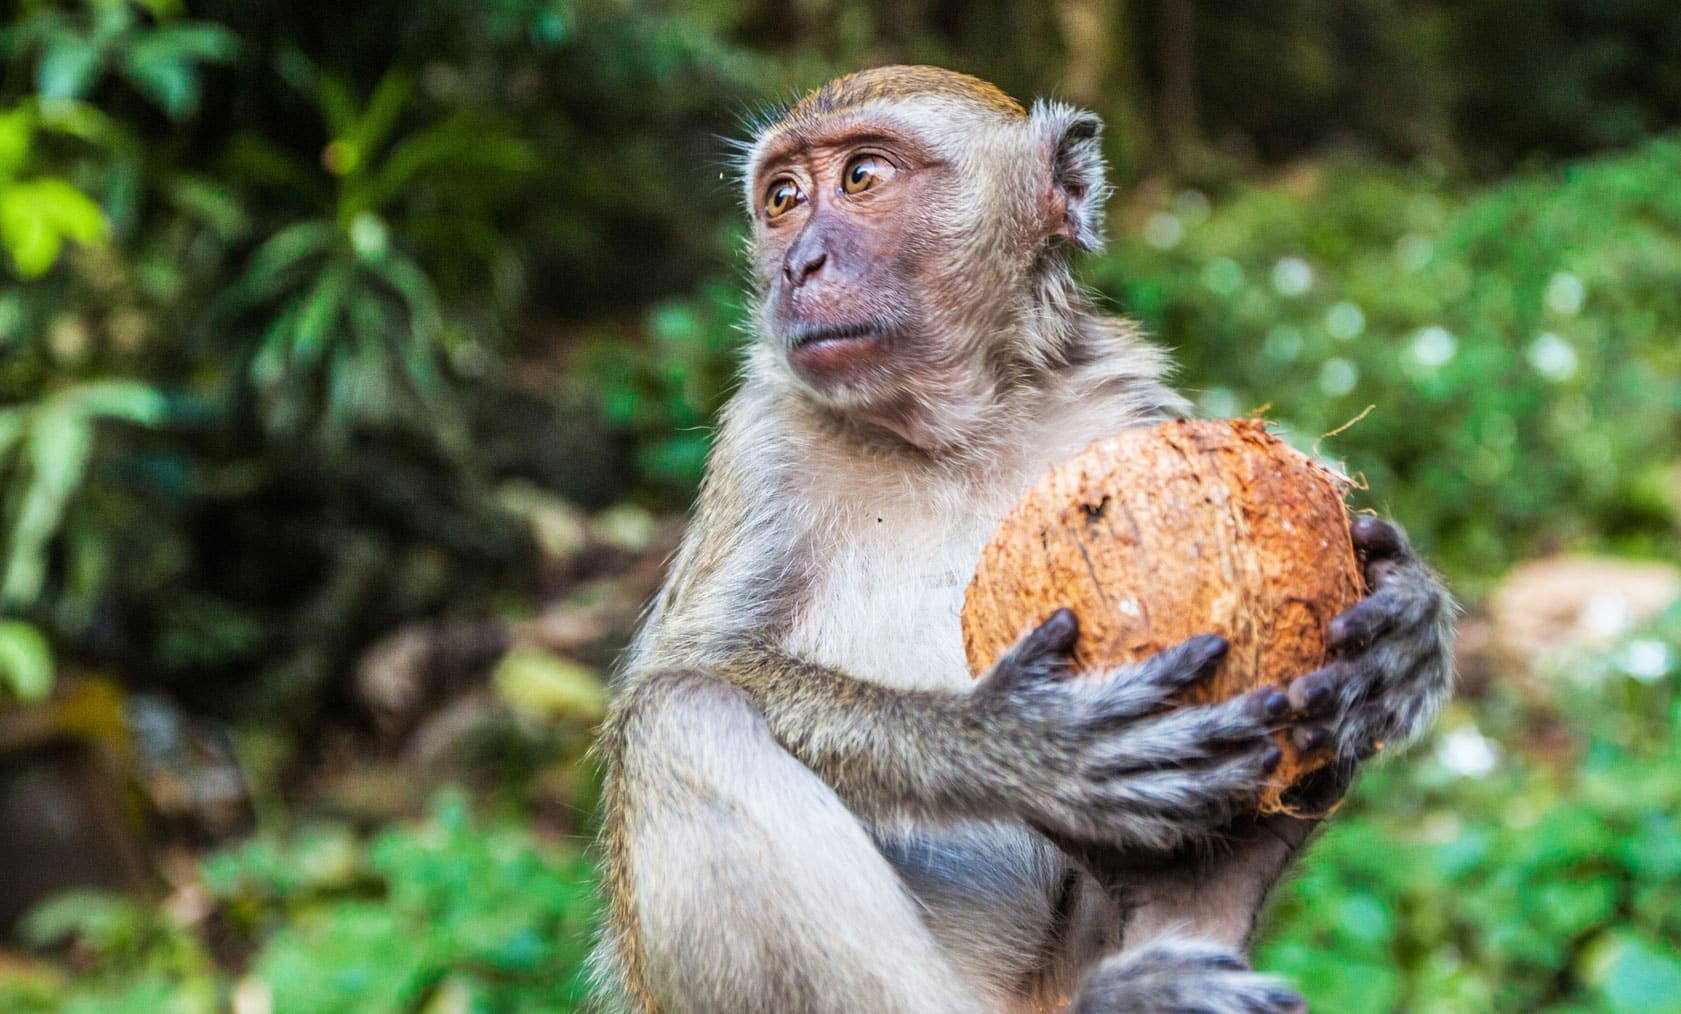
pixel 1292 276
pixel 1646 660
pixel 1434 345
pixel 1552 357
pixel 1467 752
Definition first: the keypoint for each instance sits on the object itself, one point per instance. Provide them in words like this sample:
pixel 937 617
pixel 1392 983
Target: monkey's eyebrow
pixel 798 142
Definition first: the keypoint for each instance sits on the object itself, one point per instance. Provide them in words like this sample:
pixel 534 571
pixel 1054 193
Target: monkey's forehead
pixel 880 84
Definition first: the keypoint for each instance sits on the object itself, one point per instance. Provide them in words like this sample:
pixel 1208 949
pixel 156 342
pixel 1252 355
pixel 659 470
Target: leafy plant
pixel 154 52
pixel 26 661
pixel 44 453
pixel 38 213
pixel 447 911
pixel 350 324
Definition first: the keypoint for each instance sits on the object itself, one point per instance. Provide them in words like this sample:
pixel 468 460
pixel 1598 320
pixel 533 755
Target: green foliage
pixel 1518 344
pixel 348 323
pixel 39 213
pixel 44 453
pixel 26 661
pixel 74 50
pixel 662 392
pixel 449 911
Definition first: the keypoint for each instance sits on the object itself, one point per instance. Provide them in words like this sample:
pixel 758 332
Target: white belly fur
pixel 886 603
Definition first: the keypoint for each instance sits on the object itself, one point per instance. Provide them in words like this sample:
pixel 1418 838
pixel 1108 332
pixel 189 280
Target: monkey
pixel 808 805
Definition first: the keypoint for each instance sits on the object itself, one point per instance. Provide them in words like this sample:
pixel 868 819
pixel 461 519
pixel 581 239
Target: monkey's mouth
pixel 835 349
pixel 817 335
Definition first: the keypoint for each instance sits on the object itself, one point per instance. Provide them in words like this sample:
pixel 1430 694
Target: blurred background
pixel 357 361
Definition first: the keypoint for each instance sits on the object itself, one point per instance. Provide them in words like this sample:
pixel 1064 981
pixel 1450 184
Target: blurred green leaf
pixel 38 215
pixel 69 63
pixel 26 661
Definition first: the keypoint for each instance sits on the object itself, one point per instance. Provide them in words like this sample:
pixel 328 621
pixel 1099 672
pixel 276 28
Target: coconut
pixel 1160 534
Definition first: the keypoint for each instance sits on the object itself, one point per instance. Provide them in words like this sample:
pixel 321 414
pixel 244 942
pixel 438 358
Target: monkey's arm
pixel 1102 760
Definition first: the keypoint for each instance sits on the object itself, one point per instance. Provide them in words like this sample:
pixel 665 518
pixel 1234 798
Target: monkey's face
pixel 901 221
pixel 842 246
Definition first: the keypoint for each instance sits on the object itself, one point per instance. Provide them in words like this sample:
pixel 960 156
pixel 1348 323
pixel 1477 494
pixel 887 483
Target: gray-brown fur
pixel 809 806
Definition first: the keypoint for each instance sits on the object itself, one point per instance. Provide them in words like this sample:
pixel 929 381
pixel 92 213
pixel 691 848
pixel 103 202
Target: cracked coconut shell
pixel 1160 534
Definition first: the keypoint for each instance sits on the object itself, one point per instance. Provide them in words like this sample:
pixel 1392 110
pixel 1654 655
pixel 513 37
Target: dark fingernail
pixel 1317 697
pixel 1284 1000
pixel 1271 758
pixel 1309 738
pixel 1276 704
pixel 1217 648
pixel 1374 536
pixel 1061 627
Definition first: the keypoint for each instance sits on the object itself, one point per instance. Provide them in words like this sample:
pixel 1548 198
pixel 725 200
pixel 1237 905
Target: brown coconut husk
pixel 1160 534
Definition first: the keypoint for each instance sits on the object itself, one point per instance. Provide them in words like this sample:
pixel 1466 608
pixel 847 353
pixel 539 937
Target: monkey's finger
pixel 1130 691
pixel 1157 806
pixel 1376 539
pixel 1313 695
pixel 1185 662
pixel 1310 738
pixel 1189 737
pixel 1055 636
pixel 1363 622
pixel 1041 652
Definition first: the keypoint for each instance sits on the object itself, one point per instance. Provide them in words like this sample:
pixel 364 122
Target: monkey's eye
pixel 781 197
pixel 864 172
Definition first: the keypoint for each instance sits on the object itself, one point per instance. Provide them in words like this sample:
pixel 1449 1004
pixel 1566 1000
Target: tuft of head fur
pixel 898 82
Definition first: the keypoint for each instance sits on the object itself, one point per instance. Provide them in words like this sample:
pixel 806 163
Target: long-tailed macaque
pixel 809 805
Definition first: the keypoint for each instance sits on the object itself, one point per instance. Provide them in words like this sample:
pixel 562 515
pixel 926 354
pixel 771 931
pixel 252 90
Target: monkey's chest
pixel 885 601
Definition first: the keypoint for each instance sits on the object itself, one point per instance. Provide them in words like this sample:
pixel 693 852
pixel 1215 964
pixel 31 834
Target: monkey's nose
pixel 800 265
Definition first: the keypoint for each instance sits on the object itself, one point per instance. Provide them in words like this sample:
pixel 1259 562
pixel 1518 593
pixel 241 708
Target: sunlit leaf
pixel 27 235
pixel 1640 977
pixel 38 215
pixel 541 685
pixel 26 661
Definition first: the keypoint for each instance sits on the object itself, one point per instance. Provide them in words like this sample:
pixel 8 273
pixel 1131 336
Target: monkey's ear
pixel 1073 157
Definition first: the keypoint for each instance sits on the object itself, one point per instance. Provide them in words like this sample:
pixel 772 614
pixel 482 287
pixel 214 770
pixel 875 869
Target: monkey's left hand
pixel 1392 665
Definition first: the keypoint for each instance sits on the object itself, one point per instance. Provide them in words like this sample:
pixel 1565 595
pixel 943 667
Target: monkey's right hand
pixel 1110 760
